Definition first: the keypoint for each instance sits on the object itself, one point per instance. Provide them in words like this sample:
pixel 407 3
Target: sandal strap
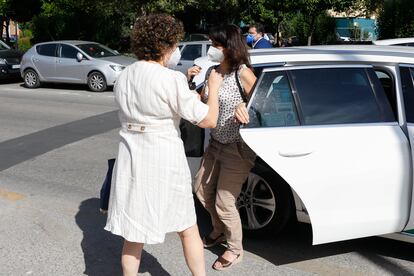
pixel 224 262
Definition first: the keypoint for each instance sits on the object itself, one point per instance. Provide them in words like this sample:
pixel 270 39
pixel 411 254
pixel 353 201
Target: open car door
pixel 330 133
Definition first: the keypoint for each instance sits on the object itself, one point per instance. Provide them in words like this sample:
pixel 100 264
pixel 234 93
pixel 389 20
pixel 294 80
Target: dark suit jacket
pixel 263 43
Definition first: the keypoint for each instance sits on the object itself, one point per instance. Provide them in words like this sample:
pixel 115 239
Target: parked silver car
pixel 73 62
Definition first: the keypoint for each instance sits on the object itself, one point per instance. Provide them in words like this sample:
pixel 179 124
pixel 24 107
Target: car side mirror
pixel 79 57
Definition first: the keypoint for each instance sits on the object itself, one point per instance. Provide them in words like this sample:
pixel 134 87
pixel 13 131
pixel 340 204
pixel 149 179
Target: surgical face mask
pixel 215 55
pixel 250 39
pixel 174 58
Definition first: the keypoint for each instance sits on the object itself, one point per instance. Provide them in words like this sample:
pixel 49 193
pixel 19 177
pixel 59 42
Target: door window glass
pixel 273 104
pixel 387 83
pixel 340 96
pixel 67 51
pixel 47 50
pixel 191 52
pixel 408 92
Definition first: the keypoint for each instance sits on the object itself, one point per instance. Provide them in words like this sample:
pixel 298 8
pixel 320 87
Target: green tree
pixel 396 19
pixel 311 9
pixel 17 10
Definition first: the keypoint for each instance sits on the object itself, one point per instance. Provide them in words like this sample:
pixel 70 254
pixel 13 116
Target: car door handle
pixel 295 153
pixel 180 63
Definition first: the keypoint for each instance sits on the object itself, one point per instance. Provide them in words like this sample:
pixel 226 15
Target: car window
pixel 341 96
pixel 411 44
pixel 47 49
pixel 408 92
pixel 273 104
pixel 191 52
pixel 67 51
pixel 4 46
pixel 96 50
pixel 387 83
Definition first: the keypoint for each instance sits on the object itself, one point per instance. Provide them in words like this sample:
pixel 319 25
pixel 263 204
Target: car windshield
pixel 4 46
pixel 97 50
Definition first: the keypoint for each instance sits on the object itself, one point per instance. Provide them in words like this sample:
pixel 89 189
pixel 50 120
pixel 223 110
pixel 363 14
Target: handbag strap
pixel 240 87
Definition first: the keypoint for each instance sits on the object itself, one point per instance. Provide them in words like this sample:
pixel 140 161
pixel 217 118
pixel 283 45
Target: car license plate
pixel 16 66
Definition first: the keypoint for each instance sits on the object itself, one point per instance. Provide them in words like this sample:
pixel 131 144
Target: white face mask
pixel 215 55
pixel 174 58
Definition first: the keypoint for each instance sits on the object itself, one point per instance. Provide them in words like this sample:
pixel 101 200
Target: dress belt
pixel 135 127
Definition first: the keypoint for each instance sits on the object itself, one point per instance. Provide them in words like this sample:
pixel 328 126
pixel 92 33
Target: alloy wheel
pixel 97 82
pixel 30 79
pixel 256 203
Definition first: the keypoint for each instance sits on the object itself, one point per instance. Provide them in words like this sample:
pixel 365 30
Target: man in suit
pixel 255 37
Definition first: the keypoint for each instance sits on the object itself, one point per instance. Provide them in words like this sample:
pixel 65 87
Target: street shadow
pixel 69 86
pixel 294 244
pixel 11 80
pixel 34 144
pixel 101 249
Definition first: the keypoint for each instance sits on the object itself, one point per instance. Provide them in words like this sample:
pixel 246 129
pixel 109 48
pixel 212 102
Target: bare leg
pixel 193 250
pixel 131 258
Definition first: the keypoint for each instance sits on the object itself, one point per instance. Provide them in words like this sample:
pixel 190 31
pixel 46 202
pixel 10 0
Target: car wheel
pixel 31 79
pixel 265 203
pixel 97 82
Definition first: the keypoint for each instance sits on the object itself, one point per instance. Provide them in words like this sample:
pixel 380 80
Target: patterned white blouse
pixel 227 129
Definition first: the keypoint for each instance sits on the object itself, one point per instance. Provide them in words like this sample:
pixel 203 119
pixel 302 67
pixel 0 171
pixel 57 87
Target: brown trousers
pixel 218 184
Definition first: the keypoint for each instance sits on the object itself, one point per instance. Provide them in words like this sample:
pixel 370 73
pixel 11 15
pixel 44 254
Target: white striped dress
pixel 151 192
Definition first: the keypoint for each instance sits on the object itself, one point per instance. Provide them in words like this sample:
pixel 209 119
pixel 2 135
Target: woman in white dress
pixel 151 194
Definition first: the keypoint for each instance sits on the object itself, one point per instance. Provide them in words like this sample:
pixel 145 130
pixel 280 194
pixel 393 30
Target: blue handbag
pixel 106 187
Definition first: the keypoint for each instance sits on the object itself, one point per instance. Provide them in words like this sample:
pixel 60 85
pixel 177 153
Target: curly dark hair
pixel 153 34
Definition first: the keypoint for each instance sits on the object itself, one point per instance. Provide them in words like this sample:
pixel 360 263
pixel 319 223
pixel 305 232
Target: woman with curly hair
pixel 227 160
pixel 152 193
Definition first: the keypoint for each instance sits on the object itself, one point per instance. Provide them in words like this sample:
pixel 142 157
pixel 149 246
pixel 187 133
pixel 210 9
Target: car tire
pixel 265 204
pixel 97 82
pixel 31 79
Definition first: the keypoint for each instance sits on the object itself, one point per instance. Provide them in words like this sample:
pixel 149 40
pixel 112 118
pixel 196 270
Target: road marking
pixel 11 196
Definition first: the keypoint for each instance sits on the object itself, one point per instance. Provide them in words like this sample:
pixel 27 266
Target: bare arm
pixel 214 81
pixel 248 80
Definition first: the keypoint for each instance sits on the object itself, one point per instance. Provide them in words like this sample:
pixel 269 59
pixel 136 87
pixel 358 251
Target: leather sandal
pixel 209 242
pixel 225 264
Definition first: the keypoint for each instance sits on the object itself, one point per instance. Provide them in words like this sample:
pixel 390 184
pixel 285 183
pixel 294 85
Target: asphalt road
pixel 54 143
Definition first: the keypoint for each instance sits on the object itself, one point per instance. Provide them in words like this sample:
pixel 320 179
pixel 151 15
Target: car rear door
pixel 45 61
pixel 68 68
pixel 330 133
pixel 407 87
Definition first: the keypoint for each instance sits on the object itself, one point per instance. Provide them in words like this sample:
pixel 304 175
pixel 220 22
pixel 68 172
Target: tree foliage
pixel 396 19
pixel 107 21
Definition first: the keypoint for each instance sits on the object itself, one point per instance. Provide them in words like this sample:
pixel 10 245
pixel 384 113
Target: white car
pixel 409 41
pixel 333 128
pixel 191 50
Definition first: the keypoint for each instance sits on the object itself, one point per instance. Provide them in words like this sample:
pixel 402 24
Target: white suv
pixel 332 127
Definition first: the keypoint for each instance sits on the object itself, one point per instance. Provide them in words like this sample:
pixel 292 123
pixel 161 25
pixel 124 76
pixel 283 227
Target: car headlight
pixel 3 61
pixel 117 68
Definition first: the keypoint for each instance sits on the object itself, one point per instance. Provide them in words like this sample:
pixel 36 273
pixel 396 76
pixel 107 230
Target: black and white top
pixel 227 129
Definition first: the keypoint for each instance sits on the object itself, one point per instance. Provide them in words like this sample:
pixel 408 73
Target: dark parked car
pixel 9 62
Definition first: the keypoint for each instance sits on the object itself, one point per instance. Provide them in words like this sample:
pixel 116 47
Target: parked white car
pixel 409 41
pixel 191 50
pixel 333 128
